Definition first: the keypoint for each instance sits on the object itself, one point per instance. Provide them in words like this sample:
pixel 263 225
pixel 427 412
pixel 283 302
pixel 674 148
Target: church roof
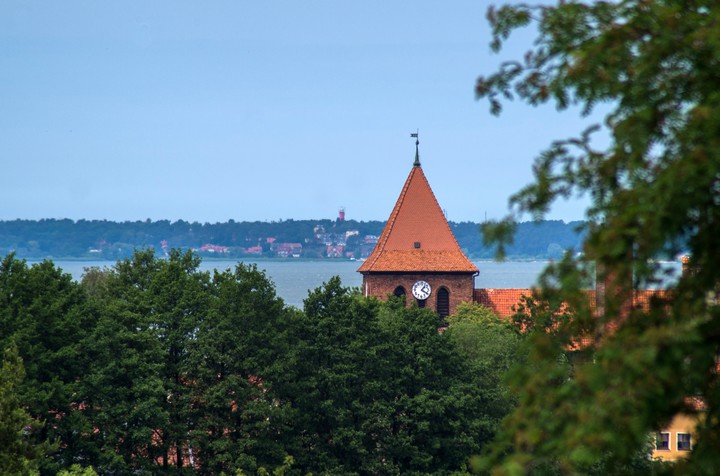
pixel 417 237
pixel 502 301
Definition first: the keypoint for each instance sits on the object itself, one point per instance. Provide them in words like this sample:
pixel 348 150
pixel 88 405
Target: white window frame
pixel 658 439
pixel 677 439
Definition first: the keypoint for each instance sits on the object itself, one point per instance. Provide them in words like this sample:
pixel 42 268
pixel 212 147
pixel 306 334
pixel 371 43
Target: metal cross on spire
pixel 417 144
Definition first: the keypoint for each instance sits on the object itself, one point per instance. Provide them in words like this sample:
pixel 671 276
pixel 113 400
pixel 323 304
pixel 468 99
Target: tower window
pixel 443 302
pixel 399 291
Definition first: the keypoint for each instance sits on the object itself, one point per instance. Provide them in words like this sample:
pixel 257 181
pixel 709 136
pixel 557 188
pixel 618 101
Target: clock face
pixel 421 290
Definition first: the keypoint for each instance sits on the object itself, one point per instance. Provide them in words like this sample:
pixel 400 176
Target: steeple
pixel 417 256
pixel 417 236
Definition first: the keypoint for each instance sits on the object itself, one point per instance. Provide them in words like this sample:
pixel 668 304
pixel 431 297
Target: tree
pixel 489 345
pixel 19 455
pixel 77 470
pixel 377 389
pixel 123 393
pixel 182 367
pixel 240 347
pixel 655 190
pixel 330 381
pixel 178 301
pixel 137 393
pixel 41 312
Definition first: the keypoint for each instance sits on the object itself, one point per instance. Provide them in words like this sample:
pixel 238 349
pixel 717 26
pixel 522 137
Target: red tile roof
pixel 501 301
pixel 643 297
pixel 417 218
pixel 504 303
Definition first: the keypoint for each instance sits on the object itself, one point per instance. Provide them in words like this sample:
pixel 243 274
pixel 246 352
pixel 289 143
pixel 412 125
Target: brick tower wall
pixel 460 286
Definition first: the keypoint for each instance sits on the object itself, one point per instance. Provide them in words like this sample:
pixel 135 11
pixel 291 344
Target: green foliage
pixel 18 454
pixel 41 312
pixel 136 392
pixel 476 313
pixel 238 350
pixel 154 367
pixel 123 393
pixel 376 389
pixel 77 470
pixel 489 346
pixel 654 191
pixel 280 470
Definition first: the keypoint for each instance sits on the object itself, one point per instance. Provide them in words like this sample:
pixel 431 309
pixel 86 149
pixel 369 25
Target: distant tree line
pixel 102 239
pixel 155 367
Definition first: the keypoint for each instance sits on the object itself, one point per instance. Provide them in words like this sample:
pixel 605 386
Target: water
pixel 293 279
pixel 508 274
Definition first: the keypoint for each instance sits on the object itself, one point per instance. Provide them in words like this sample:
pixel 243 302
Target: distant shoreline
pixel 262 259
pixel 307 239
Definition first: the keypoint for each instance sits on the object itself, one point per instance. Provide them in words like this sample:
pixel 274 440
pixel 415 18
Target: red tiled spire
pixel 417 237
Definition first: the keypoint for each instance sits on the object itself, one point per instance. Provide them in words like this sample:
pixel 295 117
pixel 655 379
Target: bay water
pixel 294 279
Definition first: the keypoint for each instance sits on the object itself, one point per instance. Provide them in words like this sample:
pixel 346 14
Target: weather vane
pixel 417 144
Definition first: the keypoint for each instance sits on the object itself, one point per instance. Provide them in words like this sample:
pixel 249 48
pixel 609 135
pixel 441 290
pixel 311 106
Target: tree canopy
pixel 18 454
pixel 654 190
pixel 153 366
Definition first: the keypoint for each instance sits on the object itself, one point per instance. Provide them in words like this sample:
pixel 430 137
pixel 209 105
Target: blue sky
pixel 209 111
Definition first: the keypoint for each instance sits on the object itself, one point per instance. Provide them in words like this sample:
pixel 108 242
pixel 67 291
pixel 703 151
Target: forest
pixel 102 239
pixel 154 367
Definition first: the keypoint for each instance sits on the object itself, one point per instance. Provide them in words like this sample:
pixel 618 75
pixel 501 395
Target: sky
pixel 272 110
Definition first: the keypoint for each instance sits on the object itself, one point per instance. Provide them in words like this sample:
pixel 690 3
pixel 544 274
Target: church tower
pixel 417 254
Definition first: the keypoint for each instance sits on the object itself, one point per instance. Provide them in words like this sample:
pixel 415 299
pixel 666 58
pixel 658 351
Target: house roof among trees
pixel 502 301
pixel 417 236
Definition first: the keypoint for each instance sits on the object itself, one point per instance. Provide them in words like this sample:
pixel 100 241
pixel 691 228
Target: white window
pixel 662 441
pixel 683 442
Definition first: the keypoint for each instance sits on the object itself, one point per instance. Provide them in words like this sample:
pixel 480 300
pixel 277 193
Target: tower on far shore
pixel 417 255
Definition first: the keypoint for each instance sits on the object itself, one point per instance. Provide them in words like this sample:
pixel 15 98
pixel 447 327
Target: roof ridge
pixel 391 222
pixel 432 192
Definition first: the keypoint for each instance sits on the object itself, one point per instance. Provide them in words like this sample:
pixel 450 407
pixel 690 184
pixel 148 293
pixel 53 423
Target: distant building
pixel 210 248
pixel 676 440
pixel 287 250
pixel 335 251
